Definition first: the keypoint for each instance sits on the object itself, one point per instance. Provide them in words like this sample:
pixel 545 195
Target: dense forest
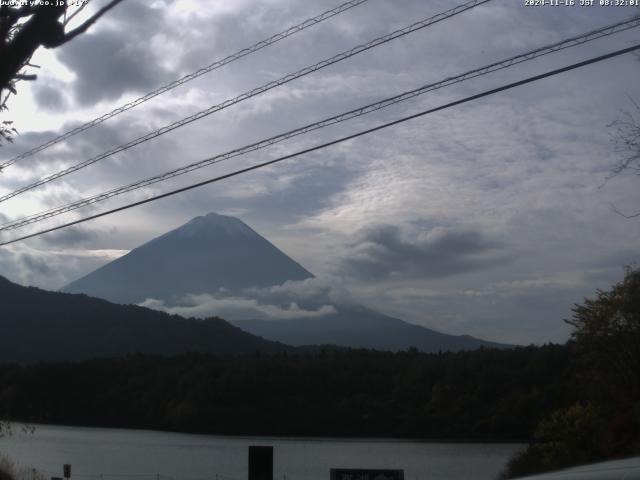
pixel 482 395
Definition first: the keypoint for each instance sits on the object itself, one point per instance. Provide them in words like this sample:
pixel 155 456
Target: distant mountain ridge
pixel 219 255
pixel 37 325
pixel 361 328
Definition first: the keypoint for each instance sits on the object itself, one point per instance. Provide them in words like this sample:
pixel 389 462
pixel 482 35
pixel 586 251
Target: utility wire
pixel 252 93
pixel 515 60
pixel 310 22
pixel 486 93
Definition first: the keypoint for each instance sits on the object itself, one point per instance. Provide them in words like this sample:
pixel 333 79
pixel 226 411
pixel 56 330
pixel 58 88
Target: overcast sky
pixel 489 219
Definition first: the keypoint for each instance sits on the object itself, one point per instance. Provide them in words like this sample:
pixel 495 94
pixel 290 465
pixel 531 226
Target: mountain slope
pixel 361 328
pixel 224 258
pixel 37 325
pixel 206 254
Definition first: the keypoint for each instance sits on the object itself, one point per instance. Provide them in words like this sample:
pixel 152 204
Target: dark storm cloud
pixel 228 31
pixel 50 97
pixel 108 64
pixel 68 237
pixel 105 137
pixel 137 14
pixel 24 140
pixel 114 169
pixel 386 251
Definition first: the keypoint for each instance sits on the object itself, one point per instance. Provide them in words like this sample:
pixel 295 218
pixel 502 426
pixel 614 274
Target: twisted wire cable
pixel 252 93
pixel 310 22
pixel 493 67
pixel 267 163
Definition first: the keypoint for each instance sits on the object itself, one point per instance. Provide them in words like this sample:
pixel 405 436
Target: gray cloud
pixel 108 65
pixel 291 300
pixel 131 15
pixel 48 266
pixel 36 265
pixel 236 308
pixel 29 267
pixel 311 293
pixel 70 237
pixel 386 251
pixel 313 297
pixel 50 97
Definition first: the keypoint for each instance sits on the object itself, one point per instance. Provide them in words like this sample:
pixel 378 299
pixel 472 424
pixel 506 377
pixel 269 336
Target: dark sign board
pixel 260 463
pixel 365 474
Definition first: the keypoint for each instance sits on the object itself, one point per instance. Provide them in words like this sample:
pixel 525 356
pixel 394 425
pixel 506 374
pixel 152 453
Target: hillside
pixel 38 325
pixel 359 327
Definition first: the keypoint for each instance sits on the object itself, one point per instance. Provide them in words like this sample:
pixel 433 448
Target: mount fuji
pixel 220 260
pixel 205 255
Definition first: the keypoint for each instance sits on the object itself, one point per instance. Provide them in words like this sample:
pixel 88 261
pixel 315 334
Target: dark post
pixel 260 463
pixel 66 468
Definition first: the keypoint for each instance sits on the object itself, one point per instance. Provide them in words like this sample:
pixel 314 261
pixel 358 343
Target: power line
pixel 515 60
pixel 486 93
pixel 310 22
pixel 252 93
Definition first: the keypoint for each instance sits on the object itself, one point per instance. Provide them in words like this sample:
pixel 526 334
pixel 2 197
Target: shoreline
pixel 300 438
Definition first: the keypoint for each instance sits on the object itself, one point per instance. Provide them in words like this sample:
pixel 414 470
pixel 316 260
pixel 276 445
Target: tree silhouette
pixel 605 422
pixel 607 337
pixel 24 29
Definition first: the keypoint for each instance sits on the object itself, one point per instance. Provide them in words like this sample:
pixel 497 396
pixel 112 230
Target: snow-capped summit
pixel 213 225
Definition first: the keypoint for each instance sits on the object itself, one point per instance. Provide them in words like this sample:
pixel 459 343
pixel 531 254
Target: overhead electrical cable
pixel 486 93
pixel 493 67
pixel 310 22
pixel 252 93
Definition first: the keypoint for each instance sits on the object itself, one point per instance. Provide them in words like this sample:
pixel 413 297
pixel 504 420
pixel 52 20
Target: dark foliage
pixel 605 423
pixel 37 325
pixel 25 27
pixel 607 339
pixel 480 395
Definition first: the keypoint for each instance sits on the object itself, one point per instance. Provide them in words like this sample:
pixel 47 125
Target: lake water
pixel 112 454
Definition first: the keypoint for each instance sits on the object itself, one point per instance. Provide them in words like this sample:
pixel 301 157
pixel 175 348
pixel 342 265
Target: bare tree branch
pixel 626 139
pixel 85 26
pixel 22 76
pixel 24 29
pixel 633 215
pixel 76 12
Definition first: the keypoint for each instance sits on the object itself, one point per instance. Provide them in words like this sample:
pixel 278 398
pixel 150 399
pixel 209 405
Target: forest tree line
pixel 482 395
